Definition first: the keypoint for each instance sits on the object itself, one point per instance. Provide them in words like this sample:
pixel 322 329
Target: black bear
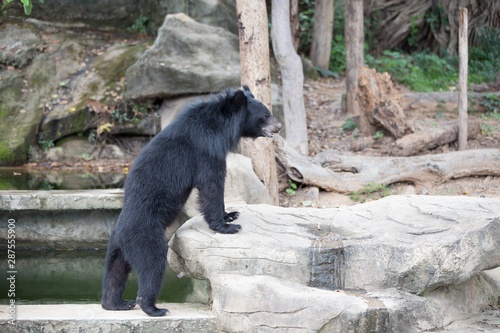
pixel 189 153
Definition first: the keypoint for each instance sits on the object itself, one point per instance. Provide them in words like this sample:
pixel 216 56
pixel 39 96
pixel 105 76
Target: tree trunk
pixel 294 23
pixel 354 58
pixel 321 46
pixel 334 171
pixel 380 103
pixel 462 80
pixel 292 76
pixel 255 72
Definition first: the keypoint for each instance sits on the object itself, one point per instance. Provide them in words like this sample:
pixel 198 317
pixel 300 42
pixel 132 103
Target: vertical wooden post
pixel 462 79
pixel 255 72
pixel 321 46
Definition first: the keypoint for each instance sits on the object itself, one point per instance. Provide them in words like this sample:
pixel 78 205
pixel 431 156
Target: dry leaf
pixel 96 105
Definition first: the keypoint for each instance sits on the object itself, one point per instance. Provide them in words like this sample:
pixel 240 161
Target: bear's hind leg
pixel 150 270
pixel 114 281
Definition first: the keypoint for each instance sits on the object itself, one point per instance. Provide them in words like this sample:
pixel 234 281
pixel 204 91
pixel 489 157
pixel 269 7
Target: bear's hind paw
pixel 231 216
pixel 156 312
pixel 123 305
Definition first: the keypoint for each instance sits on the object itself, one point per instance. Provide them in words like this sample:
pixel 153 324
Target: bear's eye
pixel 265 116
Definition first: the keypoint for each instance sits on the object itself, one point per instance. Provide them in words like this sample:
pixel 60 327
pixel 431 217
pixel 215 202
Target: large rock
pixel 20 93
pixel 387 253
pixel 217 13
pixel 91 80
pixel 187 58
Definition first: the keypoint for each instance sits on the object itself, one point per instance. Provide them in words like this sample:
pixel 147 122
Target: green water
pixel 74 277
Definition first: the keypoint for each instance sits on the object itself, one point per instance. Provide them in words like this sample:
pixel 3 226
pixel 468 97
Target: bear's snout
pixel 273 126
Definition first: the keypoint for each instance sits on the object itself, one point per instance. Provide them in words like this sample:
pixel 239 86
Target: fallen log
pixel 344 173
pixel 431 138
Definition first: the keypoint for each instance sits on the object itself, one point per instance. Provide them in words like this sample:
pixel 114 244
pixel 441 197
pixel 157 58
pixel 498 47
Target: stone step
pixel 61 200
pixel 90 318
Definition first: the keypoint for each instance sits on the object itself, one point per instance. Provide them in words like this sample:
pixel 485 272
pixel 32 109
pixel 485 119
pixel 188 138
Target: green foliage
pixel 291 188
pixel 337 55
pixel 306 23
pixel 436 18
pixel 371 191
pixel 86 157
pixel 484 59
pixel 141 25
pixel 31 151
pixel 487 130
pixel 46 144
pixel 412 39
pixel 491 102
pixel 420 71
pixel 378 135
pixel 131 115
pixel 349 125
pixel 27 4
pixel 92 137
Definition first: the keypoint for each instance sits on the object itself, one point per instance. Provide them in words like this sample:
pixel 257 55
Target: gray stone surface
pixel 61 200
pixel 18 45
pixel 418 259
pixel 217 13
pixel 187 58
pixel 19 111
pixel 47 93
pixel 93 81
pixel 92 318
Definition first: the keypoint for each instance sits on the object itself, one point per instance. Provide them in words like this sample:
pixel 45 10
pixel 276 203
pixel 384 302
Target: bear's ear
pixel 247 91
pixel 239 99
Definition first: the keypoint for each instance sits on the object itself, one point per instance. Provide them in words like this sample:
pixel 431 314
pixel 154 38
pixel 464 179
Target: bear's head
pixel 258 119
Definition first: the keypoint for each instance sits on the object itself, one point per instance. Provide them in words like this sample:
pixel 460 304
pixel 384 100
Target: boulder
pixel 46 93
pixel 21 93
pixel 217 13
pixel 69 113
pixel 425 256
pixel 186 58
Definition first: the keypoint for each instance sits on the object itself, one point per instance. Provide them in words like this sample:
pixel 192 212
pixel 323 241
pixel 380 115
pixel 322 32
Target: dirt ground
pixel 325 119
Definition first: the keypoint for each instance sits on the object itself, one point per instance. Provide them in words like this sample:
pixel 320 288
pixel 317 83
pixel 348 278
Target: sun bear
pixel 189 153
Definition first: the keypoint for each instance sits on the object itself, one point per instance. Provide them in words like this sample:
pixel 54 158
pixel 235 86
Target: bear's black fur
pixel 189 153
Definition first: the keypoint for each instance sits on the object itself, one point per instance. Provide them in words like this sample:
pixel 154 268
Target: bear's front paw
pixel 226 228
pixel 231 216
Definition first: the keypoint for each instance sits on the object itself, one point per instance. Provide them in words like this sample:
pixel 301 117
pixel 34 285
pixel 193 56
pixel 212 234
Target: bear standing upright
pixel 189 153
